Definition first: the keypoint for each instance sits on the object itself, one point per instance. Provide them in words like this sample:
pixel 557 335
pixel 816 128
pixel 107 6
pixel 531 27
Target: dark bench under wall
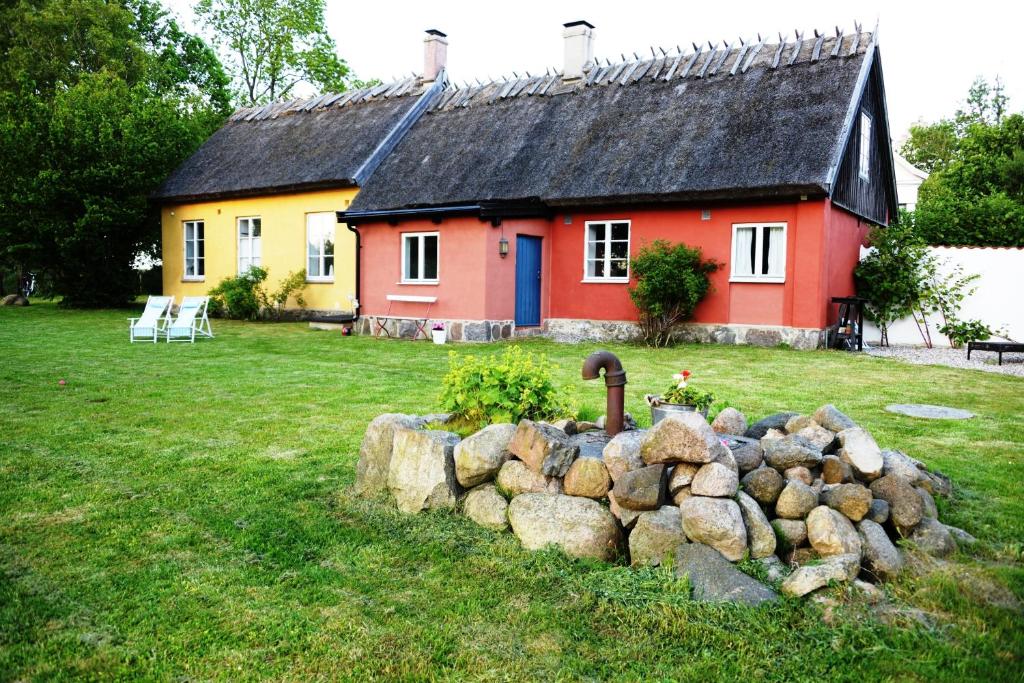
pixel 998 347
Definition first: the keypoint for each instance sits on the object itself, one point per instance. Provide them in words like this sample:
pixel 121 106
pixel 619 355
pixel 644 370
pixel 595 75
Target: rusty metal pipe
pixel 614 381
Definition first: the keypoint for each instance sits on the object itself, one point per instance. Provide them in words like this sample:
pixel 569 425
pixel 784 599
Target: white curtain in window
pixel 741 251
pixel 776 251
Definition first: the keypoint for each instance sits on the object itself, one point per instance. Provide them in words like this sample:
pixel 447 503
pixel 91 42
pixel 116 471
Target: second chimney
pixel 435 54
pixel 579 48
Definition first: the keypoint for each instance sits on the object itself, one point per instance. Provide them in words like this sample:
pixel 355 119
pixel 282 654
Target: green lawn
pixel 181 512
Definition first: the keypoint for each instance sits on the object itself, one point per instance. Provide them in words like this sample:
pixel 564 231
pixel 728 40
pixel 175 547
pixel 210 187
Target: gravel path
pixel 1013 363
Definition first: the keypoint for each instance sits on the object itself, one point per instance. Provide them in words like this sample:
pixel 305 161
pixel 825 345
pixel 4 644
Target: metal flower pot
pixel 662 410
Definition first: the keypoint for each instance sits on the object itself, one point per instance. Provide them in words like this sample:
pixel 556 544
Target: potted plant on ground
pixel 680 398
pixel 438 332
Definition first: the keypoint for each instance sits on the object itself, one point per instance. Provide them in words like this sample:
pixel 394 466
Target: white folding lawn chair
pixel 191 320
pixel 153 320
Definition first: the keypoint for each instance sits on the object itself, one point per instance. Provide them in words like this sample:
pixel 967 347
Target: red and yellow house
pixel 516 205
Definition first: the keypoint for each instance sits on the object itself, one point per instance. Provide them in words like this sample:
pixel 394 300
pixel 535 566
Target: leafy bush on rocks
pixel 508 388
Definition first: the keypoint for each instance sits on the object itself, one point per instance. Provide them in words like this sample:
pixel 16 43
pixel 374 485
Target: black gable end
pixel 868 189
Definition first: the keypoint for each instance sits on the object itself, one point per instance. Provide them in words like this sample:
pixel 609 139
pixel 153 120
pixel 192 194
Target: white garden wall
pixel 998 300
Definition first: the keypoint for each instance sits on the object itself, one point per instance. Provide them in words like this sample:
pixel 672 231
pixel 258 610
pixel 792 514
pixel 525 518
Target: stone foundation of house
pixel 573 331
pixel 458 330
pixel 565 330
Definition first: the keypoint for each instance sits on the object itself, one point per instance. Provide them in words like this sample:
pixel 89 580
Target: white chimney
pixel 579 48
pixel 435 54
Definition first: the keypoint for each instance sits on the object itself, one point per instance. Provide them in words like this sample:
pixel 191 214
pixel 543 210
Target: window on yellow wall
pixel 250 249
pixel 195 253
pixel 320 246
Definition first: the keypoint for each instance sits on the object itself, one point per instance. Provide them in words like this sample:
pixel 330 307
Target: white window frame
pixel 864 151
pixel 196 258
pixel 760 229
pixel 238 243
pixel 587 277
pixel 321 256
pixel 405 280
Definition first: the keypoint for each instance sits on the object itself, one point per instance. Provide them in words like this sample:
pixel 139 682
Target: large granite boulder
pixel 656 534
pixel 730 421
pixel 853 500
pixel 796 500
pixel 422 471
pixel 811 577
pixel 835 471
pixel 790 533
pixel 716 480
pixel 682 475
pixel 515 478
pixel 831 533
pixel 587 477
pixel 905 506
pixel 760 535
pixel 748 457
pixel 627 517
pixel 790 451
pixel 763 485
pixel 544 448
pixel 881 558
pixel 487 507
pixel 714 579
pixel 934 538
pixel 902 466
pixel 860 451
pixel 622 454
pixel 581 527
pixel 641 489
pixel 681 437
pixel 375 451
pixel 819 437
pixel 479 457
pixel 760 428
pixel 716 522
pixel 833 419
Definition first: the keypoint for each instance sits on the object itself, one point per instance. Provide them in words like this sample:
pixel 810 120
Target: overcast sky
pixel 931 51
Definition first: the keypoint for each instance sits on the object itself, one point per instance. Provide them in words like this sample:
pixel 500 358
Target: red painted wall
pixel 845 234
pixel 476 284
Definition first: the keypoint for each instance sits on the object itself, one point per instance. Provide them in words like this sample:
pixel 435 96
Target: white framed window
pixel 320 246
pixel 864 160
pixel 250 250
pixel 421 255
pixel 606 251
pixel 195 250
pixel 758 252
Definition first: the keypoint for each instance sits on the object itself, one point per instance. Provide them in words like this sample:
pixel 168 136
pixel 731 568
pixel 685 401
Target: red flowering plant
pixel 682 393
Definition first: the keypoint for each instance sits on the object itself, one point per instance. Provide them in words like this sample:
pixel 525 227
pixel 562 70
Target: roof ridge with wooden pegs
pixel 713 61
pixel 412 85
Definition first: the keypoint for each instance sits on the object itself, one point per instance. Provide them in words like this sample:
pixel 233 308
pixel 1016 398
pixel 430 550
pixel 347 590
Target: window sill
pixel 193 279
pixel 418 282
pixel 758 280
pixel 319 281
pixel 605 280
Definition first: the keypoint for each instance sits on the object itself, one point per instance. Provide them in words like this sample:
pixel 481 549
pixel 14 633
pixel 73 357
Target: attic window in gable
pixel 864 163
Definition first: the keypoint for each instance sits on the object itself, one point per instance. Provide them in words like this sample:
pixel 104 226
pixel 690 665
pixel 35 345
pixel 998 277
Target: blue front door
pixel 527 281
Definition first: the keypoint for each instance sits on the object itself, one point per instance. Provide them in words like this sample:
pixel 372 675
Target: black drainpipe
pixel 359 299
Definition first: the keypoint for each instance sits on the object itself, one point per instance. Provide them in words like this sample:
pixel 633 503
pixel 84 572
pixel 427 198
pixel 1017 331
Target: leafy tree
pixel 975 193
pixel 671 280
pixel 99 101
pixel 890 276
pixel 272 46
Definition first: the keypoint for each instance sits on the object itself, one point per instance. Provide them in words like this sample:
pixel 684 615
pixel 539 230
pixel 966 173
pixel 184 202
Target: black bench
pixel 998 347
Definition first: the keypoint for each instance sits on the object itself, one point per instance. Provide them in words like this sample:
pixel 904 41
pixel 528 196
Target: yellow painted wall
pixel 283 244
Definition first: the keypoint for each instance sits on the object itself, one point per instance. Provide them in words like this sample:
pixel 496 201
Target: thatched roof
pixel 752 120
pixel 302 144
